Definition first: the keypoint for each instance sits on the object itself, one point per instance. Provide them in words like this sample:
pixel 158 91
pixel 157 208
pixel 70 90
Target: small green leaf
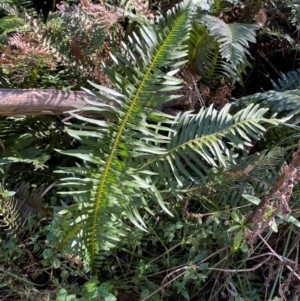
pixel 56 263
pixel 234 228
pixel 235 217
pixel 10 193
pixel 47 253
pixel 64 275
pixel 251 198
pixel 237 240
pixel 273 225
pixel 64 296
pixel 145 293
pixel 244 248
pixel 185 294
pixel 290 219
pixel 200 256
pixel 178 225
pixel 203 266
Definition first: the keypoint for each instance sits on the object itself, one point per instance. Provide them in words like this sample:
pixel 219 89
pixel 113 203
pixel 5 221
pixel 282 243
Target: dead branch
pixel 276 199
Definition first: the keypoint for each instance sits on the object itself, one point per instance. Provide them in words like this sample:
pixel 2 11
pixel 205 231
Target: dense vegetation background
pixel 183 184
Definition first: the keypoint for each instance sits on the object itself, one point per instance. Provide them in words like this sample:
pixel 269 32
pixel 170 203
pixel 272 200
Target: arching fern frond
pixel 233 42
pixel 208 139
pixel 284 103
pixel 204 53
pixel 107 187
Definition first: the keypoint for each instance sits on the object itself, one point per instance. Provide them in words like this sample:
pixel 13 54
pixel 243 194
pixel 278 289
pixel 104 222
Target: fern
pixel 229 41
pixel 9 24
pixel 23 143
pixel 197 142
pixel 106 186
pixel 28 148
pixel 204 54
pixel 226 185
pixel 65 31
pixel 284 103
pixel 10 216
pixel 124 156
pixel 17 17
pixel 288 81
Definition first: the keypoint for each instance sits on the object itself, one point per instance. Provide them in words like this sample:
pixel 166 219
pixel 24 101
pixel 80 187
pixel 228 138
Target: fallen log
pixel 39 102
pixel 15 102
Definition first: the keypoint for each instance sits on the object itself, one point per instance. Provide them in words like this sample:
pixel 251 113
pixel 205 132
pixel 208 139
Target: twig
pixel 240 270
pixel 283 261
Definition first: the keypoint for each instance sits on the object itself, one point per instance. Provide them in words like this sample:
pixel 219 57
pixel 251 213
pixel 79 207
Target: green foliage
pixel 74 25
pixel 155 205
pixel 91 291
pixel 220 49
pixel 30 140
pixel 9 24
pixel 9 212
pixel 289 81
pixel 16 17
pixel 197 142
pixel 110 185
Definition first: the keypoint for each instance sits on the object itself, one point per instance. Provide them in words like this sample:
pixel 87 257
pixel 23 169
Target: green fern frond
pixel 106 186
pixel 281 104
pixel 17 18
pixel 205 55
pixel 276 33
pixel 233 40
pixel 23 143
pixel 284 103
pixel 9 24
pixel 10 217
pixel 208 139
pixel 288 81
